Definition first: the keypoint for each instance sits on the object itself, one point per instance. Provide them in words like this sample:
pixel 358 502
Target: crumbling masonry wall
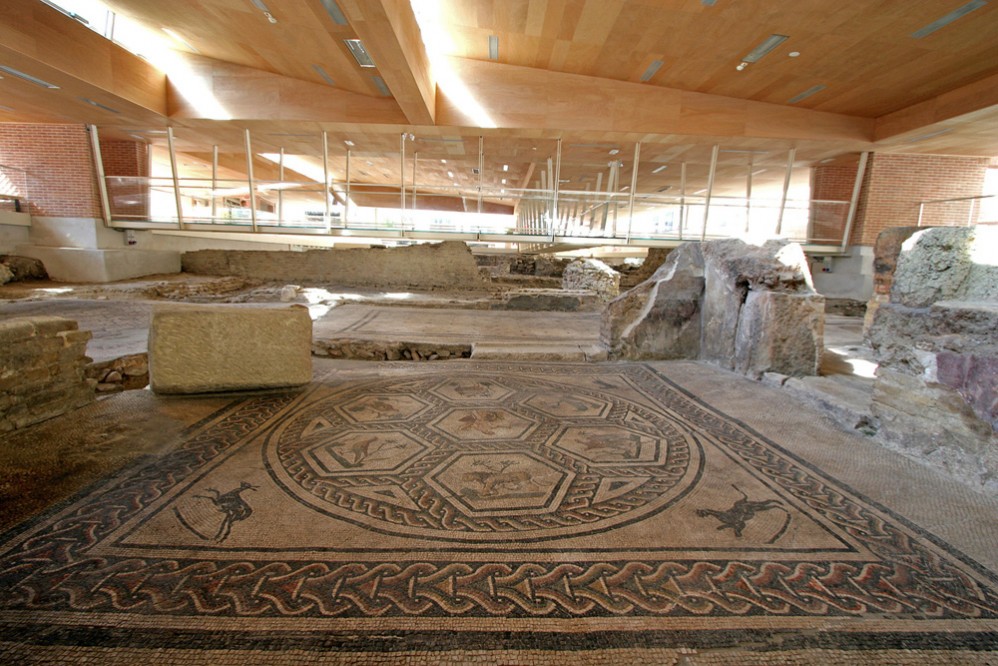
pixel 42 361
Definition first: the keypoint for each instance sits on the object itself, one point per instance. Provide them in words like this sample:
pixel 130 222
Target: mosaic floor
pixel 558 507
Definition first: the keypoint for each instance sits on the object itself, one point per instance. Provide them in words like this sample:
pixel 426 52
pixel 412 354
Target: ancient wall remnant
pixel 592 275
pixel 745 307
pixel 42 362
pixel 936 341
pixel 447 265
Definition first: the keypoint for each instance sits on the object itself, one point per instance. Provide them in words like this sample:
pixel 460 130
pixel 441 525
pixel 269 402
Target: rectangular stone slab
pixel 220 348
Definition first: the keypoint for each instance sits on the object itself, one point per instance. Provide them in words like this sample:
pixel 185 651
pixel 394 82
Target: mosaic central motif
pixel 476 458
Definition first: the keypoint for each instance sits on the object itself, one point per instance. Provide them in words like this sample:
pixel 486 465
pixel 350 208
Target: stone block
pixel 23 268
pixel 659 318
pixel 780 332
pixel 219 348
pixel 6 275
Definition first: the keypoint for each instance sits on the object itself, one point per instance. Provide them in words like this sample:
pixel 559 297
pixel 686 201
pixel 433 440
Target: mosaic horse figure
pixel 736 518
pixel 232 505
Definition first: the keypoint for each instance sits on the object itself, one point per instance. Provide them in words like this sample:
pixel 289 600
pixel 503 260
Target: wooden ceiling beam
pixel 524 97
pixel 245 93
pixel 389 32
pixel 922 117
pixel 44 42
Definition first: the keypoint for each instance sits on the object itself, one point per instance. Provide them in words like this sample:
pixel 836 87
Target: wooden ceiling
pixel 566 69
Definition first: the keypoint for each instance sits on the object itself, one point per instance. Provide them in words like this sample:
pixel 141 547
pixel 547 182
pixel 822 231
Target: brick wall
pixel 42 361
pixel 123 161
pixel 894 185
pixel 831 182
pixel 59 164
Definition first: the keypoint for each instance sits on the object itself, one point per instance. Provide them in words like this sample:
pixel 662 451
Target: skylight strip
pixel 493 47
pixel 325 76
pixel 652 69
pixel 359 53
pixel 99 105
pixel 768 45
pixel 660 169
pixel 813 90
pixel 334 12
pixel 27 77
pixel 379 83
pixel 957 13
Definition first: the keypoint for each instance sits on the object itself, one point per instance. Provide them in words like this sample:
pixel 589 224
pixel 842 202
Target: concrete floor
pixel 491 512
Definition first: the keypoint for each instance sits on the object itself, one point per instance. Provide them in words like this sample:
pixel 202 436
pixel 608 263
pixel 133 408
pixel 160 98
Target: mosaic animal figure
pixel 232 505
pixel 495 481
pixel 736 518
pixel 611 447
pixel 364 450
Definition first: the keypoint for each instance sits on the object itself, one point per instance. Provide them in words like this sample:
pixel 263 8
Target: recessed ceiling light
pixel 334 12
pixel 614 151
pixel 360 53
pixel 957 13
pixel 767 45
pixel 708 3
pixel 741 66
pixel 794 54
pixel 443 161
pixel 700 191
pixel 625 188
pixel 652 69
pixel 259 4
pixel 493 47
pixel 756 173
pixel 660 169
pixel 813 90
pixel 379 83
pixel 450 174
pixel 349 142
pixel 325 75
pixel 99 105
pixel 505 167
pixel 665 189
pixel 27 77
pixel 504 181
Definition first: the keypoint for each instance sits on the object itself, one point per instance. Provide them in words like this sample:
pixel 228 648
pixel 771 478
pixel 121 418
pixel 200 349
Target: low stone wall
pixel 936 341
pixel 749 308
pixel 42 362
pixel 209 349
pixel 448 265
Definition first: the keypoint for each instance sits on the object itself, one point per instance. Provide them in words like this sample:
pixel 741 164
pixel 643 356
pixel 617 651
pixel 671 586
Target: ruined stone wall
pixel 592 275
pixel 936 341
pixel 42 361
pixel 447 265
pixel 748 308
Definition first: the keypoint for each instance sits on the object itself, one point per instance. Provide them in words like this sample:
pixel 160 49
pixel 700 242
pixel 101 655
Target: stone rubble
pixel 592 275
pixel 125 373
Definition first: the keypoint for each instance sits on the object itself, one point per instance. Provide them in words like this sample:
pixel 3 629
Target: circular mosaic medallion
pixel 479 458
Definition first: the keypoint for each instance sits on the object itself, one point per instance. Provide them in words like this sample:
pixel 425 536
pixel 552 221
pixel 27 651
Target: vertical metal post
pixel 415 158
pixel 557 177
pixel 105 202
pixel 854 200
pixel 748 197
pixel 634 187
pixel 346 199
pixel 612 194
pixel 402 180
pixel 921 212
pixel 176 179
pixel 481 169
pixel 786 188
pixel 682 198
pixel 280 189
pixel 249 178
pixel 970 216
pixel 325 180
pixel 710 189
pixel 214 182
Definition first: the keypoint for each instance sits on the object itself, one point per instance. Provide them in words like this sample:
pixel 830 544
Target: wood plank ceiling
pixel 578 70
